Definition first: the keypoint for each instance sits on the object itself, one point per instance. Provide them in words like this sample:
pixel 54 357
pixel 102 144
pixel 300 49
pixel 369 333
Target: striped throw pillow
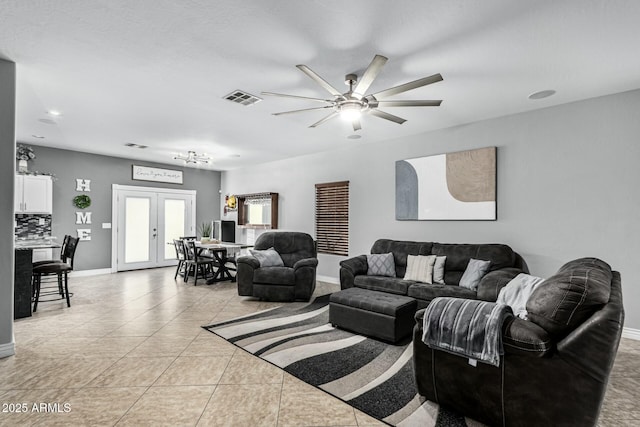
pixel 420 268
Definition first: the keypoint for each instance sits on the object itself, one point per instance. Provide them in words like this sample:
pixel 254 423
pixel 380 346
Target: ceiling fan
pixel 353 103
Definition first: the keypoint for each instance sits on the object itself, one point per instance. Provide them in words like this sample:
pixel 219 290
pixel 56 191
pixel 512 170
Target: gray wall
pixel 104 171
pixel 567 187
pixel 7 165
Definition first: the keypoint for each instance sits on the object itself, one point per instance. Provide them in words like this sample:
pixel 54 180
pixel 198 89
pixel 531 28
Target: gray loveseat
pixel 505 265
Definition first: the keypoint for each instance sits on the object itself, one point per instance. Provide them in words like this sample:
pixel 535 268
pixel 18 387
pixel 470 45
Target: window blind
pixel 332 218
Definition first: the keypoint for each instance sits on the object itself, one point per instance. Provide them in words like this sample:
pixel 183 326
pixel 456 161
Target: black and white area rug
pixel 372 376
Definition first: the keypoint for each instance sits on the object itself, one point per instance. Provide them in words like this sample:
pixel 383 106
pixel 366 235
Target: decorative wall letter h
pixel 83 184
pixel 83 217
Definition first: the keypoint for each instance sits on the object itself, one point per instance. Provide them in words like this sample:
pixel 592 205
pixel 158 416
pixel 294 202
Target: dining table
pixel 223 254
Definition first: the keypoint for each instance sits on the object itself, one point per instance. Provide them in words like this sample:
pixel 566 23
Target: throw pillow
pixel 476 269
pixel 381 265
pixel 517 292
pixel 420 268
pixel 438 270
pixel 268 257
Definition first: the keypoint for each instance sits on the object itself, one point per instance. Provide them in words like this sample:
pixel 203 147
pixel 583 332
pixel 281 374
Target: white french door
pixel 146 222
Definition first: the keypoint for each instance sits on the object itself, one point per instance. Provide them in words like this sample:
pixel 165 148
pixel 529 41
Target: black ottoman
pixel 372 313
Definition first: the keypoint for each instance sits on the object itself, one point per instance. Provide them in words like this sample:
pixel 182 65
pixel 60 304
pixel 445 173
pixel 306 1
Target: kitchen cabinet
pixel 33 194
pixel 258 210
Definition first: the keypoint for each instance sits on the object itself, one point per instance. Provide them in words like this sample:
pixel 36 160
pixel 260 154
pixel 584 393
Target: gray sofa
pixel 296 280
pixel 505 265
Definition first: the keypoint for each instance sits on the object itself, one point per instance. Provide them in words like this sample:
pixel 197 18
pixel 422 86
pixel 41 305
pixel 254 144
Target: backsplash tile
pixel 29 227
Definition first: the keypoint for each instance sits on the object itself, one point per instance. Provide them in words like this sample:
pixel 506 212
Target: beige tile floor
pixel 130 351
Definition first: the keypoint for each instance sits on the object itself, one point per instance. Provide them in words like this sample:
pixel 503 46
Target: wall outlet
pixel 106 225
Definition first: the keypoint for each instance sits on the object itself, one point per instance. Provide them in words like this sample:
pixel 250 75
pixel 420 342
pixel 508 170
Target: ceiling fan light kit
pixel 354 103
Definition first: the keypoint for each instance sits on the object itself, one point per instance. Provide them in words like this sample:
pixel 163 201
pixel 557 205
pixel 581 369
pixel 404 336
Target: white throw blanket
pixel 517 292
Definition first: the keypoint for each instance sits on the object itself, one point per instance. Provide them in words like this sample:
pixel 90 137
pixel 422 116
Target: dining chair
pixel 196 262
pixel 180 256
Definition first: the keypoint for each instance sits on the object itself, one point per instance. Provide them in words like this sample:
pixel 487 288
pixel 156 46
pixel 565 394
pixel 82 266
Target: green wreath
pixel 82 201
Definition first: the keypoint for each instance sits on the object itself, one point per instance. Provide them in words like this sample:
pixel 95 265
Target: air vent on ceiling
pixel 244 98
pixel 132 145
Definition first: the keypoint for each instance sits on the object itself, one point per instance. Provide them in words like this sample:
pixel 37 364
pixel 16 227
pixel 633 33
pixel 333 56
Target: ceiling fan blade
pixel 321 121
pixel 356 124
pixel 299 111
pixel 296 96
pixel 370 74
pixel 387 116
pixel 422 103
pixel 407 86
pixel 322 82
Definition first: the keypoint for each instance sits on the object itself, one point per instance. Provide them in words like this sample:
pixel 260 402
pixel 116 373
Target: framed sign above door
pixel 145 173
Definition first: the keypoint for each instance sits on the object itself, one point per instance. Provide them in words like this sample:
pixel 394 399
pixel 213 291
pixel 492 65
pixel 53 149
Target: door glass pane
pixel 136 239
pixel 174 211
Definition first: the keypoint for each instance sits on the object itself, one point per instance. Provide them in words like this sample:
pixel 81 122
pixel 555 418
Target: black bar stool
pixel 58 268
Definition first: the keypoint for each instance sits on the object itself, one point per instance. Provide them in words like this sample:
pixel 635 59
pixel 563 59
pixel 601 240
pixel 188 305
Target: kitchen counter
pixel 22 292
pixel 42 243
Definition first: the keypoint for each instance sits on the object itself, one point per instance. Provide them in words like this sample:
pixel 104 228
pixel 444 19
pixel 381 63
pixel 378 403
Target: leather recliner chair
pixel 555 366
pixel 296 280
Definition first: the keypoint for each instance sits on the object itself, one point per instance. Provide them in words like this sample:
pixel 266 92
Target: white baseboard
pixel 328 279
pixel 95 272
pixel 8 349
pixel 633 334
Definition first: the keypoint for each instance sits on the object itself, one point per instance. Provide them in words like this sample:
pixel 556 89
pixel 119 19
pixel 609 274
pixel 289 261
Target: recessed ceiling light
pixel 354 136
pixel 38 136
pixel 47 121
pixel 542 94
pixel 55 113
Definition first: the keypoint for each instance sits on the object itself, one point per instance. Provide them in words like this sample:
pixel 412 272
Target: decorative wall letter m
pixel 83 217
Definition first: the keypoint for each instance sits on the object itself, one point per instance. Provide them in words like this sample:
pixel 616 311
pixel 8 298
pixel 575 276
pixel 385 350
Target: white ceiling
pixel 154 72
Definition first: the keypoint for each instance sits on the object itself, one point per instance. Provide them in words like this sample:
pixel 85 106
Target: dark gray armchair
pixel 296 280
pixel 556 365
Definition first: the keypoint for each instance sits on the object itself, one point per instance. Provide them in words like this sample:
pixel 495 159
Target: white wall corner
pixel 632 334
pixel 8 349
pixel 328 279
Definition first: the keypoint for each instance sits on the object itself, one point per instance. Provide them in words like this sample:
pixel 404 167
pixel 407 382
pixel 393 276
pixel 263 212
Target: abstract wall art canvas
pixel 452 186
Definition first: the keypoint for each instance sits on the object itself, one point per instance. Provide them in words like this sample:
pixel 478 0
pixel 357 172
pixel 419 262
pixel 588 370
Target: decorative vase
pixel 23 166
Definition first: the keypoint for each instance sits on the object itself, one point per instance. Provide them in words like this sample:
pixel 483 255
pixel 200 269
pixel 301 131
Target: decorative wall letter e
pixel 84 233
